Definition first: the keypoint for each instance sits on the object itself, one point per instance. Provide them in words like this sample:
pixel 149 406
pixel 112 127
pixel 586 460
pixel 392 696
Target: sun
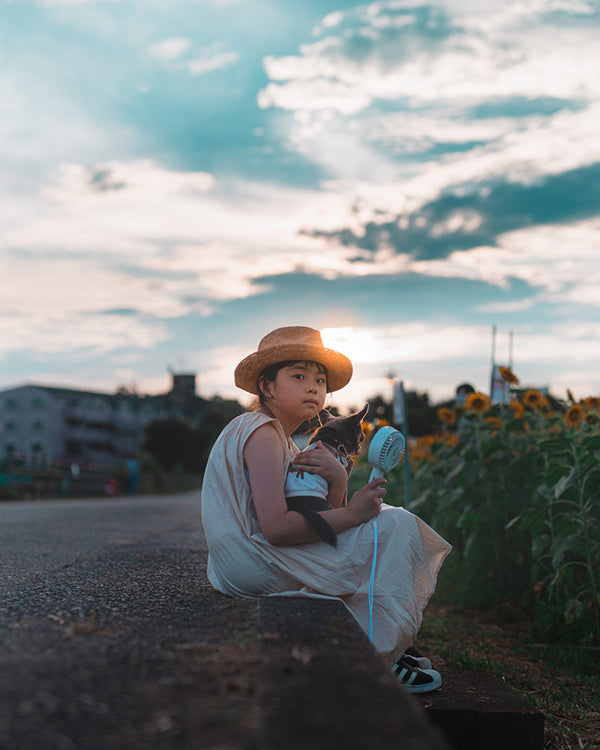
pixel 358 344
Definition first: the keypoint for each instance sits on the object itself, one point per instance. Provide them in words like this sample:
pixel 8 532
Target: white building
pixel 40 423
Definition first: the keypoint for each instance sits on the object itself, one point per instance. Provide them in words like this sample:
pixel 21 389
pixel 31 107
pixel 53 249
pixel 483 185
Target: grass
pixel 561 682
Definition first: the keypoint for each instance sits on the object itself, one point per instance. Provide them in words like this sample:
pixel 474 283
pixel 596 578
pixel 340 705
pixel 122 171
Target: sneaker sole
pixel 426 688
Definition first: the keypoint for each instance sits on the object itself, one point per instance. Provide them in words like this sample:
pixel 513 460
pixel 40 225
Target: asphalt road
pixel 38 538
pixel 111 636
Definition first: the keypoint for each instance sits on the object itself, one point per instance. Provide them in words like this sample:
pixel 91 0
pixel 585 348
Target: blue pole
pixel 401 422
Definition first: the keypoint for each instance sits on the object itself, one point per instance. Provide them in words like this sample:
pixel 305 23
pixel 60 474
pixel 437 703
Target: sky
pixel 179 178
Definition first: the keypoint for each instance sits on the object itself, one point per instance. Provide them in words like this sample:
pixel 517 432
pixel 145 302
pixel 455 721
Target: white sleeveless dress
pixel 242 562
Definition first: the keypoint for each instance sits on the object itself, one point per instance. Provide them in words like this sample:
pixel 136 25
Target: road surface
pixel 111 636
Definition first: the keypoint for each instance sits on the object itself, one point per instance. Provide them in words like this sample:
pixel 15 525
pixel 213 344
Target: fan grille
pixel 391 451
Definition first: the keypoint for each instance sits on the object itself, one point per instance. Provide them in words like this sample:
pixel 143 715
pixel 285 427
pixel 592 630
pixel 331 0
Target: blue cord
pixel 372 581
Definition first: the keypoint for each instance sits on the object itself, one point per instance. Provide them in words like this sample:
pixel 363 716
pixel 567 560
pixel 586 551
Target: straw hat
pixel 293 343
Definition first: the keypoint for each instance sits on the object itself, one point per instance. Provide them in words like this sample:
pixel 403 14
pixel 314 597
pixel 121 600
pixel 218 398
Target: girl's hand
pixel 321 461
pixel 366 503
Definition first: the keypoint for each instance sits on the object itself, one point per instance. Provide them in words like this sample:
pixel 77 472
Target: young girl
pixel 258 547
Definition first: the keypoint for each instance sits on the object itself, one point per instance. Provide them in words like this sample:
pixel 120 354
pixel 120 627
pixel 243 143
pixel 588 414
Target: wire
pixel 372 581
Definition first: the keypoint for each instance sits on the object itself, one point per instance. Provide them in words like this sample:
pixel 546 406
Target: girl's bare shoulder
pixel 264 438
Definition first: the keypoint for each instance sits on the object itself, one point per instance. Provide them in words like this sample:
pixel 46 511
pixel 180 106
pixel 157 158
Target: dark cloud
pixel 370 299
pixel 422 27
pixel 522 106
pixel 105 180
pixel 435 230
pixel 118 311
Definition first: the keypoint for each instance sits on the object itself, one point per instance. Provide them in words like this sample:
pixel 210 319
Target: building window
pixel 10 426
pixel 37 402
pixel 10 403
pixel 74 447
pixel 38 426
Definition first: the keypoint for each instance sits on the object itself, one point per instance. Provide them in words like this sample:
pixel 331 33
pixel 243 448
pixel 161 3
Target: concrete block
pixel 323 686
pixel 476 710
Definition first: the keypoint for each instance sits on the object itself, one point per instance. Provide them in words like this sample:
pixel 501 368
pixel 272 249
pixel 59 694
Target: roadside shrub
pixel 516 489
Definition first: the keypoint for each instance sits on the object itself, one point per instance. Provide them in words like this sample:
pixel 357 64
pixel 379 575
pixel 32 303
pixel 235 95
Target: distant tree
pixel 169 442
pixel 214 419
pixel 380 408
pixel 176 442
pixel 421 415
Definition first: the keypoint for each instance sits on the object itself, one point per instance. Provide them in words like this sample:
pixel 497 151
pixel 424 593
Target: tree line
pixel 183 443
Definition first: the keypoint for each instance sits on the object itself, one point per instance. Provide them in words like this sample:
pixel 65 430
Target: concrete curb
pixel 323 686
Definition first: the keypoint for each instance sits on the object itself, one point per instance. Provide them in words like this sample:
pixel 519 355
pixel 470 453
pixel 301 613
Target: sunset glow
pixel 403 177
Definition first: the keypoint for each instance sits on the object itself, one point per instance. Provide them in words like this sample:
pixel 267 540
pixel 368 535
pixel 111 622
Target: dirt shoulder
pixel 563 683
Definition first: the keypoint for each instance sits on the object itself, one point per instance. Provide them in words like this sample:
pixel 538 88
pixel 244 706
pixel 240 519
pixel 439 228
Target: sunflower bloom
pixel 592 402
pixel 508 375
pixel 591 418
pixel 517 408
pixel 495 422
pixel 574 414
pixel 452 440
pixel 477 402
pixel 533 398
pixel 446 415
pixel 368 430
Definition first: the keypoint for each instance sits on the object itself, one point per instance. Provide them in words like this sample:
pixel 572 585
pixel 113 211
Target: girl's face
pixel 299 390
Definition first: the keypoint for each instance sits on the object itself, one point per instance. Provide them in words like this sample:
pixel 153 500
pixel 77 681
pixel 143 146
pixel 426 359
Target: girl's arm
pixel 264 456
pixel 321 461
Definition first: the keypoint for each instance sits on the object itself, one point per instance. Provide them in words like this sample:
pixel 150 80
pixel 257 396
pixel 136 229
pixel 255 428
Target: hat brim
pixel 339 367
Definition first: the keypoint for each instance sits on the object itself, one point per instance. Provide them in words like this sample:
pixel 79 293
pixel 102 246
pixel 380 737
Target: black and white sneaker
pixel 416 680
pixel 416 659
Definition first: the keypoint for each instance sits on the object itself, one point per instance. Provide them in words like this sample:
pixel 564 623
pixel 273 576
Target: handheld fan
pixel 385 451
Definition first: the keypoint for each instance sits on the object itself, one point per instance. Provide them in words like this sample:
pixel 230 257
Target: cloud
pixel 136 236
pixel 74 3
pixel 179 54
pixel 450 169
pixel 465 216
pixel 450 131
pixel 437 53
pixel 74 334
pixel 441 356
pixel 212 59
pixel 170 49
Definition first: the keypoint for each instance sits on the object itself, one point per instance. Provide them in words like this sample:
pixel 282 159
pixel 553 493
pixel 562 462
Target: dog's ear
pixel 324 416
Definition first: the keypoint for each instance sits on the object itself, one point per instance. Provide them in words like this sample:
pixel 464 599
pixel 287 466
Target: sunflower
pixel 452 440
pixel 508 375
pixel 368 430
pixel 533 398
pixel 591 418
pixel 495 423
pixel 574 414
pixel 477 402
pixel 592 402
pixel 446 415
pixel 517 408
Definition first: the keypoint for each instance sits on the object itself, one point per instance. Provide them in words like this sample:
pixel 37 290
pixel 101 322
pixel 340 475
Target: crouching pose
pixel 258 546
